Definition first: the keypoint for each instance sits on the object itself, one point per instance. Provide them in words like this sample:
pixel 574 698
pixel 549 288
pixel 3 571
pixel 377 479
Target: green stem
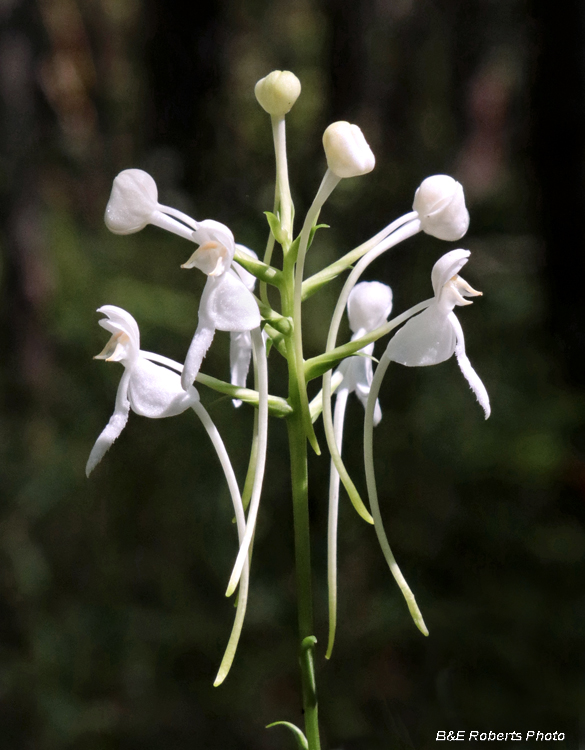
pixel 300 496
pixel 299 476
pixel 327 186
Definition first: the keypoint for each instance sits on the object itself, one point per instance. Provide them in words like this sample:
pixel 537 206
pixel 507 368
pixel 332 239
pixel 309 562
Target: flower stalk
pixel 155 386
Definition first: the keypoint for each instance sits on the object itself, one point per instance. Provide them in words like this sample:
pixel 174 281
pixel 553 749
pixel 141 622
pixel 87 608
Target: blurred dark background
pixel 112 614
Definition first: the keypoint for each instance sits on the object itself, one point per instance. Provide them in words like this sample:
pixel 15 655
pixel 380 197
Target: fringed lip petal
pixel 469 373
pixel 197 350
pixel 114 427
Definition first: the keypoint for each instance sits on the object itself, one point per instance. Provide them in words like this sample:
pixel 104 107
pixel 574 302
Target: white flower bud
pixel 133 201
pixel 347 151
pixel 368 305
pixel 440 204
pixel 278 91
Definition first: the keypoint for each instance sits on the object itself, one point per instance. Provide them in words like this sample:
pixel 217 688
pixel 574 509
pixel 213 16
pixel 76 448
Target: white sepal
pixel 228 305
pixel 217 248
pixel 156 392
pixel 446 267
pixel 119 321
pixel 426 339
pixel 440 204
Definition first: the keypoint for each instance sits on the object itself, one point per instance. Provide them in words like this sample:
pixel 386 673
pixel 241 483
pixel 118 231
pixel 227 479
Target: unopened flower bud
pixel 368 305
pixel 440 204
pixel 278 91
pixel 133 201
pixel 347 151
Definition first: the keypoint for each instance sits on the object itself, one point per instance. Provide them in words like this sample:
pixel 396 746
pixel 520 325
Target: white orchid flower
pixel 148 389
pixel 226 303
pixel 429 338
pixel 368 307
pixel 154 391
pixel 436 334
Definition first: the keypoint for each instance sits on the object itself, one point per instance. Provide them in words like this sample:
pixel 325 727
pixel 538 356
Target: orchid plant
pixel 154 386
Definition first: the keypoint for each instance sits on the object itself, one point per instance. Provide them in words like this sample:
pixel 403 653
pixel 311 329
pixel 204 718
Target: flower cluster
pixel 155 386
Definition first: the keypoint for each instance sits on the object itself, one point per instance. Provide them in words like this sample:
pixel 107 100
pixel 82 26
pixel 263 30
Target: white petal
pixel 426 339
pixel 240 355
pixel 210 230
pixel 228 305
pixel 446 267
pixel 156 392
pixel 114 427
pixel 468 372
pixel 197 350
pixel 119 320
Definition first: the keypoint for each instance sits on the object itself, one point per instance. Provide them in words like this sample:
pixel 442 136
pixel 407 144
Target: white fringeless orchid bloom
pixel 241 341
pixel 148 389
pixel 429 338
pixel 226 304
pixel 434 335
pixel 368 307
pixel 154 391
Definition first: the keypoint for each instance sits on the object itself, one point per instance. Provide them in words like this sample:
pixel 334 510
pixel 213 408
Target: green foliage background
pixel 112 615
